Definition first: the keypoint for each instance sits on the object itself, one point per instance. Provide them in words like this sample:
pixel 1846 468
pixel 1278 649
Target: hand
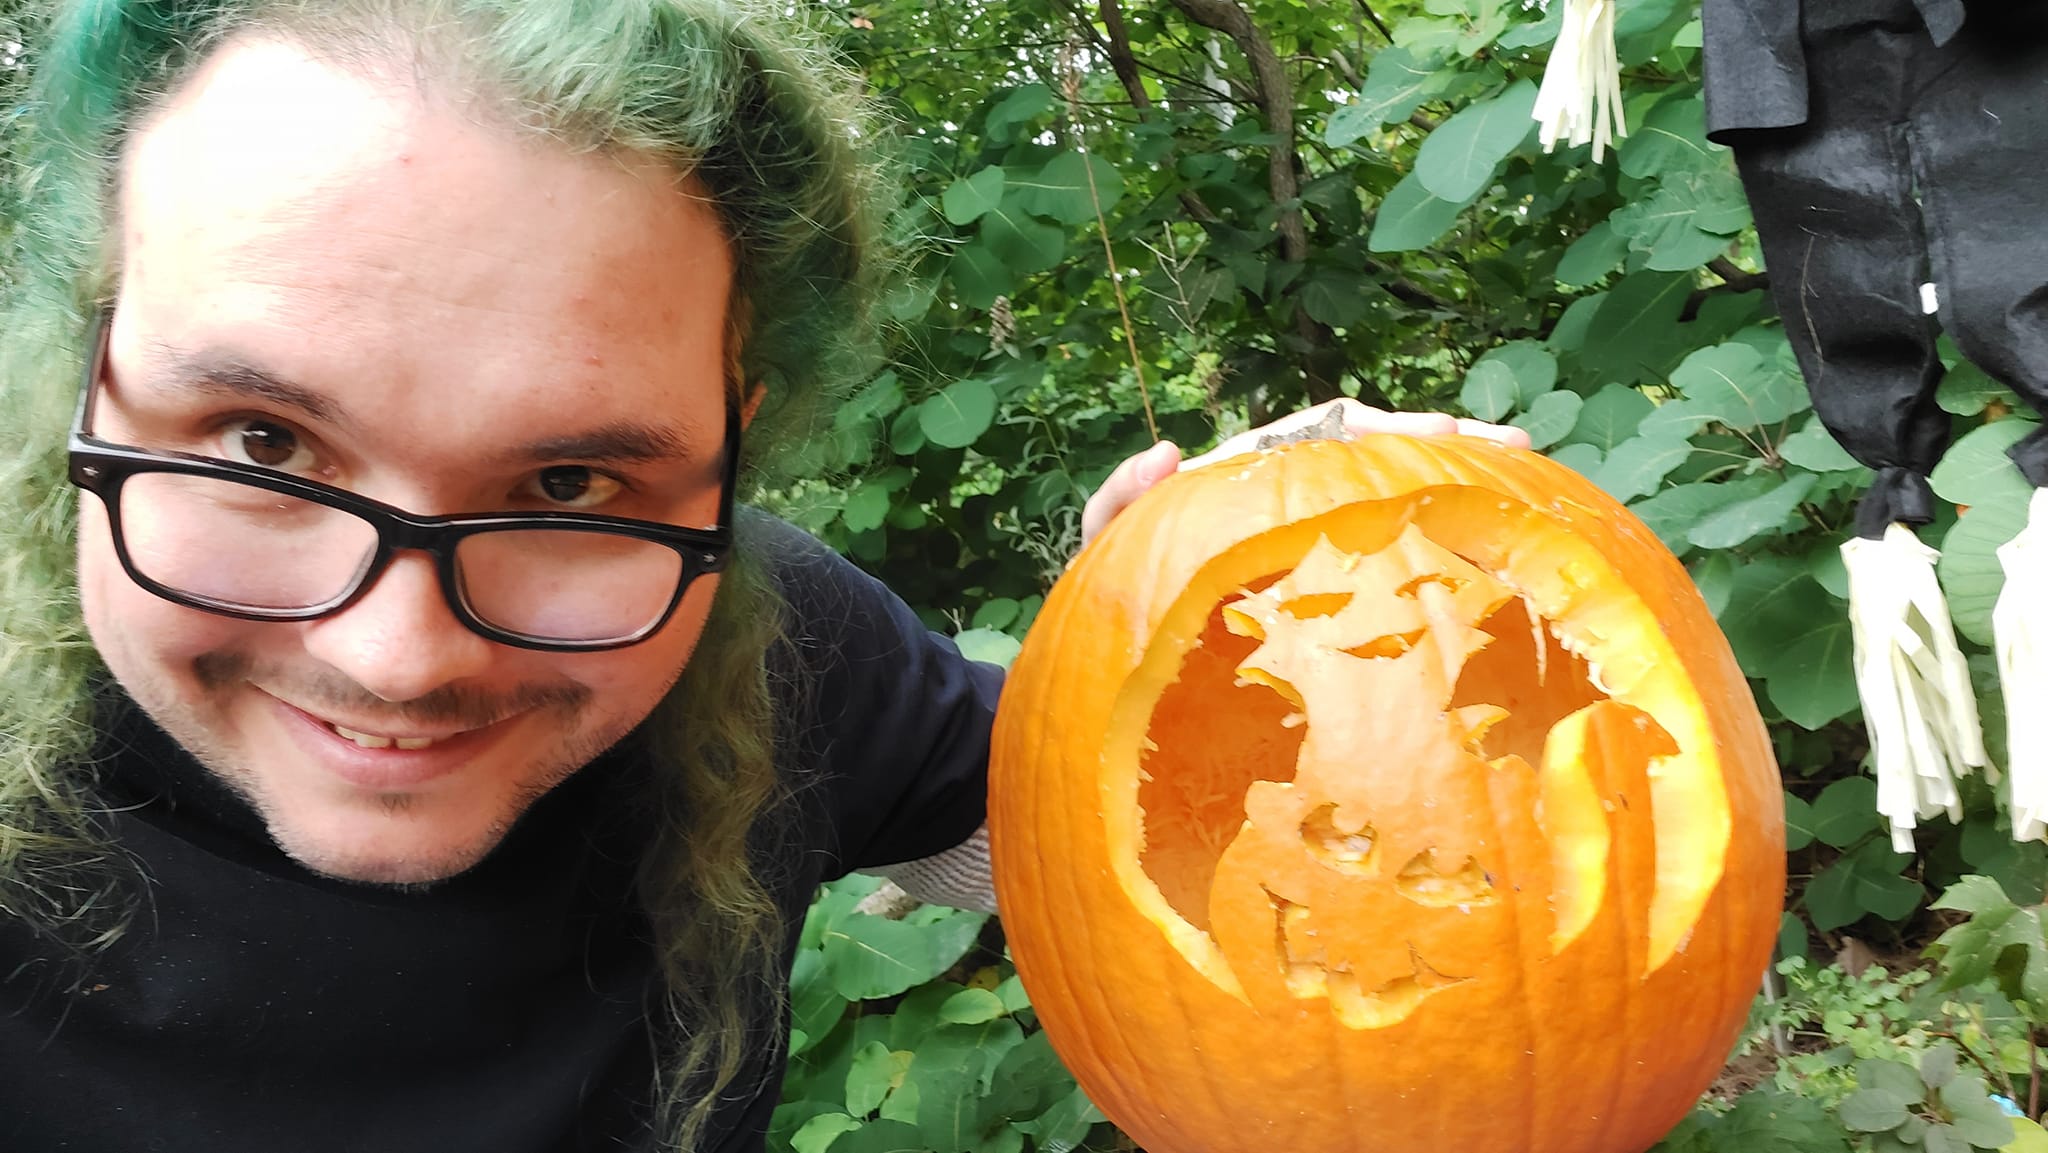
pixel 1134 476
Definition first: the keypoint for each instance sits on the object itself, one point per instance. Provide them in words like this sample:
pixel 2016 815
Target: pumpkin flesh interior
pixel 1199 730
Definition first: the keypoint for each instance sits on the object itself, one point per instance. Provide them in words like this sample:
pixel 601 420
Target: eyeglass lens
pixel 246 547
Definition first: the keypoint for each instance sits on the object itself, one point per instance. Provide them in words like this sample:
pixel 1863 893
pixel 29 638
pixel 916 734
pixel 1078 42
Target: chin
pixel 386 840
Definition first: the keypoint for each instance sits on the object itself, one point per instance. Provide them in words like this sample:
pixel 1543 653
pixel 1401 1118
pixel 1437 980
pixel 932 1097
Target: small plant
pixel 1936 1108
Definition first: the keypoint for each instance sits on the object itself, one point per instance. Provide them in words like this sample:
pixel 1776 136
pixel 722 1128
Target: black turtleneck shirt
pixel 255 1007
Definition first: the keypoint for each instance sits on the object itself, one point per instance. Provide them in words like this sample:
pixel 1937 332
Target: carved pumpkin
pixel 1396 795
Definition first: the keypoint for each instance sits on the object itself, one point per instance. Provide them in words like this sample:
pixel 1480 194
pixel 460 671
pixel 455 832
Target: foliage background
pixel 1302 199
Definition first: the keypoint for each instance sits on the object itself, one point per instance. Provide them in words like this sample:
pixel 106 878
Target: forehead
pixel 366 237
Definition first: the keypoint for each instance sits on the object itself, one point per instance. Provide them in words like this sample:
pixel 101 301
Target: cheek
pixel 628 683
pixel 148 643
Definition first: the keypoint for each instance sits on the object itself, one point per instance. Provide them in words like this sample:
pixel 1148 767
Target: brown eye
pixel 265 443
pixel 575 486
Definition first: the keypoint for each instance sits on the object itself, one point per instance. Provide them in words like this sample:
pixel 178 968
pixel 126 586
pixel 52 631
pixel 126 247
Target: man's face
pixel 355 283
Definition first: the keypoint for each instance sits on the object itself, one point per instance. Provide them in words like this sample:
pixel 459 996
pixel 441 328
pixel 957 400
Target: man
pixel 431 757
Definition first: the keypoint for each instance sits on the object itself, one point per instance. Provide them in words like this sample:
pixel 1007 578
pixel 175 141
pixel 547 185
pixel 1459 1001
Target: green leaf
pixel 1714 576
pixel 1490 391
pixel 814 1005
pixel 1024 243
pixel 866 507
pixel 1976 1118
pixel 871 957
pixel 971 1007
pixel 1592 256
pixel 1737 524
pixel 1458 160
pixel 874 1072
pixel 817 1134
pixel 1938 1066
pixel 994 646
pixel 1672 513
pixel 1335 296
pixel 995 613
pixel 1610 417
pixel 1064 1126
pixel 1891 1077
pixel 1535 33
pixel 2000 939
pixel 1533 365
pixel 1686 222
pixel 1967 390
pixel 967 198
pixel 1018 108
pixel 1872 1111
pixel 1060 189
pixel 1550 418
pixel 1811 678
pixel 979 275
pixel 1411 217
pixel 952 1072
pixel 1771 596
pixel 1798 823
pixel 882 1137
pixel 1738 386
pixel 1864 881
pixel 1970 571
pixel 1846 812
pixel 1636 333
pixel 957 415
pixel 877 399
pixel 1812 447
pixel 1975 470
pixel 1397 83
pixel 1638 465
pixel 1672 139
pixel 1583 459
pixel 2028 1137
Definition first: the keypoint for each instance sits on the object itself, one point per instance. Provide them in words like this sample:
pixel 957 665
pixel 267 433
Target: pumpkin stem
pixel 1918 702
pixel 1580 99
pixel 2020 638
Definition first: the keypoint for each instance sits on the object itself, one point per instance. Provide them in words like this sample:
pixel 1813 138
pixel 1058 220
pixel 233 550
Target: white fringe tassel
pixel 1918 702
pixel 2019 625
pixel 1580 100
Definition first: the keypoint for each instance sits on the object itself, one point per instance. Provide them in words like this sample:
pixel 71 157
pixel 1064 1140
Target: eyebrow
pixel 620 441
pixel 223 374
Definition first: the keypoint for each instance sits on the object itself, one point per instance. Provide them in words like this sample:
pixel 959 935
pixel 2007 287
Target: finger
pixel 1127 483
pixel 1402 423
pixel 1505 434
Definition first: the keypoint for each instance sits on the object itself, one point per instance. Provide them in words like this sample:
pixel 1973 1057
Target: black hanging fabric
pixel 1887 144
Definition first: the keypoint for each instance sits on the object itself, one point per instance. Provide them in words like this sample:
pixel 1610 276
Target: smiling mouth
pixel 374 741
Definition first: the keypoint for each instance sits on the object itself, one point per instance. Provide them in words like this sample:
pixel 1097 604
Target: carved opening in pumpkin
pixel 1215 730
pixel 1639 732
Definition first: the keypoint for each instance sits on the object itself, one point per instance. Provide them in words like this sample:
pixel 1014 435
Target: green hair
pixel 729 94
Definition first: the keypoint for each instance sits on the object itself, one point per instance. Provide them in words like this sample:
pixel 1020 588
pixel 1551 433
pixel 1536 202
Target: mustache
pixel 458 705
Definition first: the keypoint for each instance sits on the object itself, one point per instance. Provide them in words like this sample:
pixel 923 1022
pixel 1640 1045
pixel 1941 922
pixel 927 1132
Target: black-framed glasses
pixel 248 542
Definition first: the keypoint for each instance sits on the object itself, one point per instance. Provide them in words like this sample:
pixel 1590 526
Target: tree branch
pixel 1324 362
pixel 1733 280
pixel 1376 21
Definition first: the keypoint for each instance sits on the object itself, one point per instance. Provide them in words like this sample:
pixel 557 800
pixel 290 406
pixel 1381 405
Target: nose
pixel 399 640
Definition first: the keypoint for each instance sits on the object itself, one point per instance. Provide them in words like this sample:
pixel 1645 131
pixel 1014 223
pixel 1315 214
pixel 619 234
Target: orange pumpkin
pixel 1397 795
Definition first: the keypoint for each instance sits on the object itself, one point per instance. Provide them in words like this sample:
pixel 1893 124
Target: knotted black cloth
pixel 1885 144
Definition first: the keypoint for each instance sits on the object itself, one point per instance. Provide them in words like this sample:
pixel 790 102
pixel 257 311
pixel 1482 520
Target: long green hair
pixel 725 91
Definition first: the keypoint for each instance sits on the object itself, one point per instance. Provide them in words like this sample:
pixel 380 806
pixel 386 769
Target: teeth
pixel 373 741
